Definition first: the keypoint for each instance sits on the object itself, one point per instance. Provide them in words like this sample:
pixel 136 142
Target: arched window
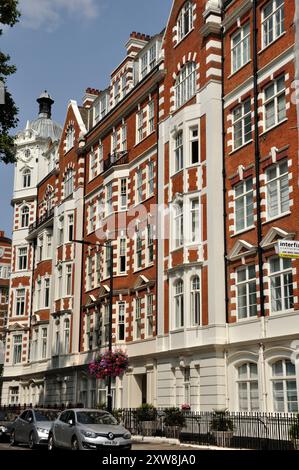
pixel 195 300
pixel 69 183
pixel 185 86
pixel 248 393
pixel 185 20
pixel 66 336
pixel 284 386
pixel 26 178
pixel 25 216
pixel 179 304
pixel 70 138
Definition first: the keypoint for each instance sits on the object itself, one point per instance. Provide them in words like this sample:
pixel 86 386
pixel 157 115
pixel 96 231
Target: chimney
pixel 90 95
pixel 136 42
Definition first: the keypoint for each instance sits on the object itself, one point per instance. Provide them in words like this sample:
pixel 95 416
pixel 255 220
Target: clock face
pixel 1 252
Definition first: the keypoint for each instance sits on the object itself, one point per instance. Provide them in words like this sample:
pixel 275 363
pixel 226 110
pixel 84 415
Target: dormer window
pixel 148 60
pixel 185 20
pixel 70 138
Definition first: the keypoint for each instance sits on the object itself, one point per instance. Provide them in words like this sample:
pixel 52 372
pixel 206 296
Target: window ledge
pixel 276 217
pixel 271 43
pixel 184 37
pixel 273 127
pixel 240 232
pixel 241 147
pixel 238 70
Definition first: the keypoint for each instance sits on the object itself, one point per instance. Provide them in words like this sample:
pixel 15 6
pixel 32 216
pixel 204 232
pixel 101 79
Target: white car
pixel 87 429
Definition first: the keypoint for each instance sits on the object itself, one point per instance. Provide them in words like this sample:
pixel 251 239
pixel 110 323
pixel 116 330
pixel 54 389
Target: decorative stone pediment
pixel 17 327
pixel 104 291
pixel 90 300
pixel 275 234
pixel 240 249
pixel 143 283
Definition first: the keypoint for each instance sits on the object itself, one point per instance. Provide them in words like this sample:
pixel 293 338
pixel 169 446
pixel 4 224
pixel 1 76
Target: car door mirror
pixel 30 419
pixel 71 422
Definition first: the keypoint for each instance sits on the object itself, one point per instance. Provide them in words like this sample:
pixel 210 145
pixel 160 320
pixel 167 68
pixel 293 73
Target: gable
pixel 240 249
pixel 275 234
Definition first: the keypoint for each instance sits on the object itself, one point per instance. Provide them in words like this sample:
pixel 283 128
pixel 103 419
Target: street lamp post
pixel 110 246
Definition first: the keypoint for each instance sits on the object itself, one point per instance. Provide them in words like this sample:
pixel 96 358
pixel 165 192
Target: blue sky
pixel 66 46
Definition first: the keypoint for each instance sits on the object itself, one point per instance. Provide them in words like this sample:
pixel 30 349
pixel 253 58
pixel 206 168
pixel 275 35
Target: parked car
pixel 87 429
pixel 6 422
pixel 32 427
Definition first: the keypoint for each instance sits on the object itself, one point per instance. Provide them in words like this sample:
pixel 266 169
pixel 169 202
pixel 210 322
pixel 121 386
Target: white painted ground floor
pixel 253 376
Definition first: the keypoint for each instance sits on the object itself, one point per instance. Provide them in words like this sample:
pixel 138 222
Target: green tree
pixel 9 15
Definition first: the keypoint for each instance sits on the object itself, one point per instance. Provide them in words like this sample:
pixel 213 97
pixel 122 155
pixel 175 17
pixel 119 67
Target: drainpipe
pixel 224 170
pixel 31 295
pixel 257 158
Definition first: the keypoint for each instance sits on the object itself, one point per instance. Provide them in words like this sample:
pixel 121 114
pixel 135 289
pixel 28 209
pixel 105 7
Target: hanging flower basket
pixel 109 364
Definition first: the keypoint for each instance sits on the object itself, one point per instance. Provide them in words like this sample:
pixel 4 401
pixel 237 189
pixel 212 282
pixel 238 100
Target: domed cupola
pixel 44 126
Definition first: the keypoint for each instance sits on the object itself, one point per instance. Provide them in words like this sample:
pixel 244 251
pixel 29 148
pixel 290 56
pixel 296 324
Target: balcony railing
pixel 119 158
pixel 42 220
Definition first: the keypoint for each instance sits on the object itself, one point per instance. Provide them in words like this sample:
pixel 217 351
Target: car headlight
pixel 42 430
pixel 89 434
pixel 3 429
pixel 127 435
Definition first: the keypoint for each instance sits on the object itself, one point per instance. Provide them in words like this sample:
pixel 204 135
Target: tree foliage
pixel 9 15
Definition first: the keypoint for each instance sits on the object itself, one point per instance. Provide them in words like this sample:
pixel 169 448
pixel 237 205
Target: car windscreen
pixel 45 415
pixel 94 417
pixel 4 416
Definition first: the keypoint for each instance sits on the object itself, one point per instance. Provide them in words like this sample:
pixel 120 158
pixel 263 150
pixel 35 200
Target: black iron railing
pixel 259 431
pixel 41 220
pixel 119 158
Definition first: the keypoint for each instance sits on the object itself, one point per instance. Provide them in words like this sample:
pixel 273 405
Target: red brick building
pixel 187 165
pixel 5 267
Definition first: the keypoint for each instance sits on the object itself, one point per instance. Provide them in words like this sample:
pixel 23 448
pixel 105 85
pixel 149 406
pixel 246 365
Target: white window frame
pixel 185 21
pixel 239 50
pixel 66 335
pixel 124 143
pixel 139 189
pixel 195 220
pixel 279 275
pixel 195 300
pixel 20 302
pixel 109 198
pixel 44 342
pixel 241 118
pixel 243 196
pixel 150 178
pixel 22 258
pixel 70 138
pixel 278 9
pixel 274 101
pixel 179 305
pixel 278 184
pixel 92 164
pixel 178 152
pixel 249 379
pixel 25 214
pixel 284 378
pixel 150 243
pixel 246 284
pixel 121 320
pixel 139 126
pixel 123 194
pixel 47 291
pixel 185 86
pixel 138 250
pixel 89 283
pixel 151 117
pixel 69 183
pixel 178 225
pixel 150 315
pixel 17 349
pixel 26 175
pixel 138 312
pixel 68 280
pixel 122 254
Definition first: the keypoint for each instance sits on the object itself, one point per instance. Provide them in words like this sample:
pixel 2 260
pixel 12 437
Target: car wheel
pixel 51 443
pixel 31 441
pixel 12 439
pixel 75 443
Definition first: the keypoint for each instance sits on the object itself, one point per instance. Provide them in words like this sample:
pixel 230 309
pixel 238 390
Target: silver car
pixel 32 427
pixel 87 429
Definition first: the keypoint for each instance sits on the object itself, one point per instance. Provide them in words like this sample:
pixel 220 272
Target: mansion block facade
pixel 187 165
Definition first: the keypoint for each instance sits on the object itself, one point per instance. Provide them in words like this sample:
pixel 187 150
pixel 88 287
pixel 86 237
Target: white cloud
pixel 49 14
